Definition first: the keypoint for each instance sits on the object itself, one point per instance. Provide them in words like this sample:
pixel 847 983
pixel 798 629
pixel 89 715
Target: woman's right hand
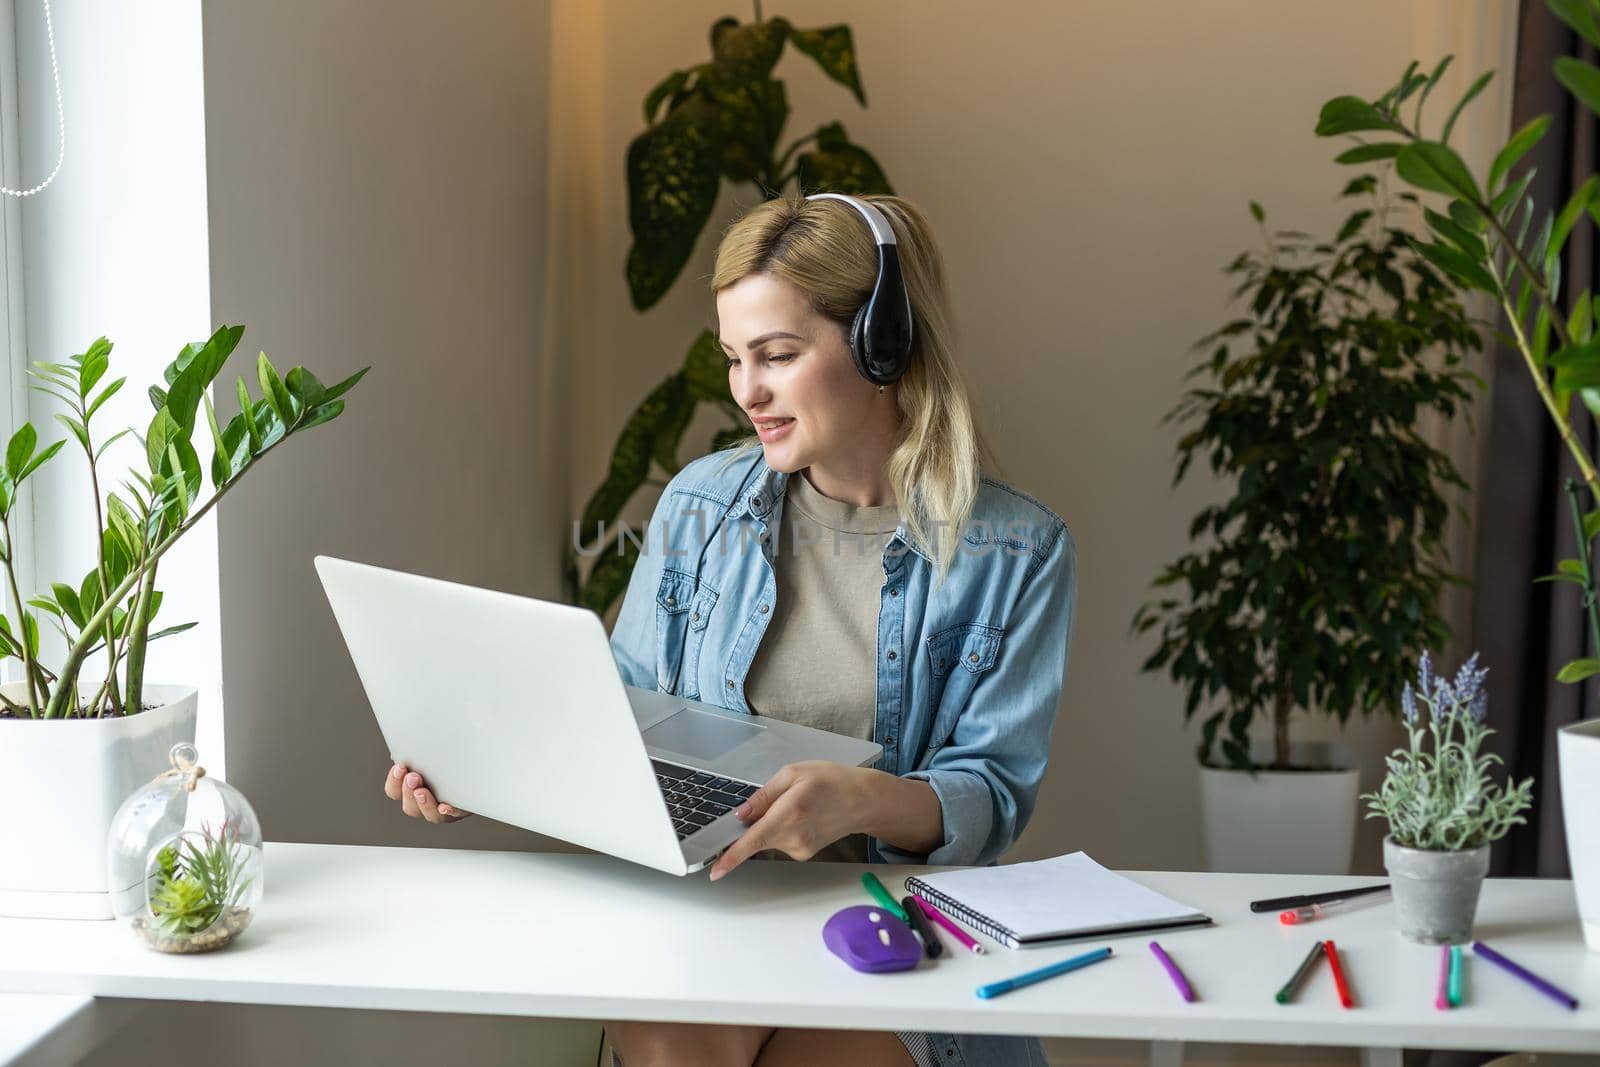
pixel 416 798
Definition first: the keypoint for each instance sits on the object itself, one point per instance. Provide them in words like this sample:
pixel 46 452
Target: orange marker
pixel 1338 974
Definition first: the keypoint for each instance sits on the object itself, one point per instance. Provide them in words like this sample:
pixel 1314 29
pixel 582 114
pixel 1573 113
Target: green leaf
pixel 750 120
pixel 108 442
pixel 1457 265
pixel 838 166
pixel 741 54
pixel 1511 195
pixel 1450 230
pixel 164 430
pixel 609 576
pixel 1433 80
pixel 1472 92
pixel 219 450
pixel 105 394
pixel 335 391
pixel 274 392
pixel 1367 153
pixel 1564 222
pixel 320 414
pixel 67 597
pixel 1350 114
pixel 1579 14
pixel 674 421
pixel 669 86
pixel 834 51
pixel 673 176
pixel 246 407
pixel 1578 670
pixel 1591 524
pixel 1257 212
pixel 705 370
pixel 39 461
pixel 1435 167
pixel 305 388
pixel 93 367
pixel 1581 79
pixel 630 460
pixel 76 428
pixel 20 450
pixel 1520 144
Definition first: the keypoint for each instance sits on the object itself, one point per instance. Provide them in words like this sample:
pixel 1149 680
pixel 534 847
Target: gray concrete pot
pixel 1435 893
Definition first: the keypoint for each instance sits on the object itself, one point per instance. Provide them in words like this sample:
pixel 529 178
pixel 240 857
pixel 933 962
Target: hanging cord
pixel 61 117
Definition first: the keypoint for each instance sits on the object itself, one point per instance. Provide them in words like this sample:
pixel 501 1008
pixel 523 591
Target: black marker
pixel 1300 900
pixel 930 940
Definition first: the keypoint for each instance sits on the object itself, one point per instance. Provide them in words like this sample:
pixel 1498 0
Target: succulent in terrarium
pixel 196 880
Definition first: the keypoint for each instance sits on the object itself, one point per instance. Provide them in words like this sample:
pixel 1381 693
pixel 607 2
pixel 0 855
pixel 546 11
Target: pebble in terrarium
pixel 184 859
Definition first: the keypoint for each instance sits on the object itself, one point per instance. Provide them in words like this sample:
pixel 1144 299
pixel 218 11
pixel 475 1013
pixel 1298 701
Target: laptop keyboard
pixel 694 798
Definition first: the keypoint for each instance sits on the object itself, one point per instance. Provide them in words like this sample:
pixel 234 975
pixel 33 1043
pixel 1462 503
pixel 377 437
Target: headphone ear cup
pixel 858 342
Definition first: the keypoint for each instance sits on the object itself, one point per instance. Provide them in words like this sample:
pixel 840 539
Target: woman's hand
pixel 416 798
pixel 802 809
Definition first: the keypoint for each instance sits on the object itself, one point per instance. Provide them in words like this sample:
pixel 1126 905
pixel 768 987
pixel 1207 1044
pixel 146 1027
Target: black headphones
pixel 880 337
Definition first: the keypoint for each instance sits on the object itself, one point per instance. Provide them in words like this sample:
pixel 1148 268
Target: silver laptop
pixel 513 708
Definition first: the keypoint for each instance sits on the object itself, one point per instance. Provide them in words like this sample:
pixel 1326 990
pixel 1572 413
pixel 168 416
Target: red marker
pixel 1338 974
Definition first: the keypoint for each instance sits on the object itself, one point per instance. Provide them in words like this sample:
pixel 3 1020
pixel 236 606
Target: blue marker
pixel 995 989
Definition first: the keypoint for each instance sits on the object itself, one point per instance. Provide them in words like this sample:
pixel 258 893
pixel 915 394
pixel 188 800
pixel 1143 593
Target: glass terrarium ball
pixel 184 859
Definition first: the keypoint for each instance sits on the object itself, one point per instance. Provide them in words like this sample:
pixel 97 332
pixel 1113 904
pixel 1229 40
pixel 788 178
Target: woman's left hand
pixel 802 809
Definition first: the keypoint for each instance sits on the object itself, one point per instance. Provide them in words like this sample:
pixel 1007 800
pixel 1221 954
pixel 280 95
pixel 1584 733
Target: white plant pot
pixel 1283 822
pixel 1578 755
pixel 66 778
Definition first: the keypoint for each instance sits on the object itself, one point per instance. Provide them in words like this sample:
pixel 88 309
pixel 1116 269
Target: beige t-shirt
pixel 817 664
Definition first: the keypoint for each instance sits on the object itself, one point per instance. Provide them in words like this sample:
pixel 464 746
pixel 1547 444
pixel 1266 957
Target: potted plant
pixel 720 119
pixel 1442 807
pixel 1494 237
pixel 75 743
pixel 1327 559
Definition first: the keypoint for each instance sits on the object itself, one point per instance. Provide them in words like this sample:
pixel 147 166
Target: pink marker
pixel 955 931
pixel 1441 999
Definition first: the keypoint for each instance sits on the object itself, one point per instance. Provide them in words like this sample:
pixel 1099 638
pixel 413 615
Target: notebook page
pixel 1056 896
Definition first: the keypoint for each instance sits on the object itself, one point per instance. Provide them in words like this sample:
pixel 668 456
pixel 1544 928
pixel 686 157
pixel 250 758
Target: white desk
pixel 592 937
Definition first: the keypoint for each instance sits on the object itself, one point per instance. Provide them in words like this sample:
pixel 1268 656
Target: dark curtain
pixel 1526 631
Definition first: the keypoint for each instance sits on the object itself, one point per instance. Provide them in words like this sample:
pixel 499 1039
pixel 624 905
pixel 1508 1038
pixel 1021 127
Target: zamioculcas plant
pixel 721 119
pixel 1493 237
pixel 110 611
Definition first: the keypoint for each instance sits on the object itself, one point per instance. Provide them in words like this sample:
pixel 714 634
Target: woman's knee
pixel 655 1044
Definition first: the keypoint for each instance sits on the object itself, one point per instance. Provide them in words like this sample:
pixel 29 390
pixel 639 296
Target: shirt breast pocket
pixel 682 612
pixel 958 658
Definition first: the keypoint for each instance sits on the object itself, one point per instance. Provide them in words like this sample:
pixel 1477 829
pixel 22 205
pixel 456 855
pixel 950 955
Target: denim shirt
pixel 969 670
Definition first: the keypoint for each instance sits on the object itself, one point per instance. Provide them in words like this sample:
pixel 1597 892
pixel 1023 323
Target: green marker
pixel 1455 976
pixel 1287 992
pixel 881 895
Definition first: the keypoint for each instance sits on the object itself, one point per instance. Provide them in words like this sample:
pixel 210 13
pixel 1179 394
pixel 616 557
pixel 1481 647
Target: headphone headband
pixel 880 336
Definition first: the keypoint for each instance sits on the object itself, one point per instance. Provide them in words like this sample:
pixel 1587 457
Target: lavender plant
pixel 1438 794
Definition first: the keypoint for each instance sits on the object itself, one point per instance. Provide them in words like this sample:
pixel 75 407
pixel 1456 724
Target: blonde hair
pixel 825 249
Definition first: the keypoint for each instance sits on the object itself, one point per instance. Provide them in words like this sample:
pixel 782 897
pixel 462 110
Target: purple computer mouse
pixel 870 939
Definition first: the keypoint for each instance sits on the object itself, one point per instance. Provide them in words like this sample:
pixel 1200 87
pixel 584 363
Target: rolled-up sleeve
pixel 987 777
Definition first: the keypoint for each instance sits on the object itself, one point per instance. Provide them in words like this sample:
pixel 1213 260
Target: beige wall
pixel 1086 166
pixel 377 173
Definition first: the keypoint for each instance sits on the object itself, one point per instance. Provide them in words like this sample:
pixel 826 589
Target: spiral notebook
pixel 1062 899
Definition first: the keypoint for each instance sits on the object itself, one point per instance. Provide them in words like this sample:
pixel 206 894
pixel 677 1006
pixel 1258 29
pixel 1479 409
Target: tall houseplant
pixel 77 744
pixel 1305 586
pixel 1494 237
pixel 721 119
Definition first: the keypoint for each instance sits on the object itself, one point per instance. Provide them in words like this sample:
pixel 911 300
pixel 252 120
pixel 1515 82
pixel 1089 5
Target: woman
pixel 849 568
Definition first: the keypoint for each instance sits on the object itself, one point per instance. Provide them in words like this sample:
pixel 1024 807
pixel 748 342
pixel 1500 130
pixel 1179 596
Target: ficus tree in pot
pixel 1308 584
pixel 719 120
pixel 110 611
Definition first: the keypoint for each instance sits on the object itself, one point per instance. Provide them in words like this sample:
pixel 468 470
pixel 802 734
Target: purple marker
pixel 1172 971
pixel 1479 948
